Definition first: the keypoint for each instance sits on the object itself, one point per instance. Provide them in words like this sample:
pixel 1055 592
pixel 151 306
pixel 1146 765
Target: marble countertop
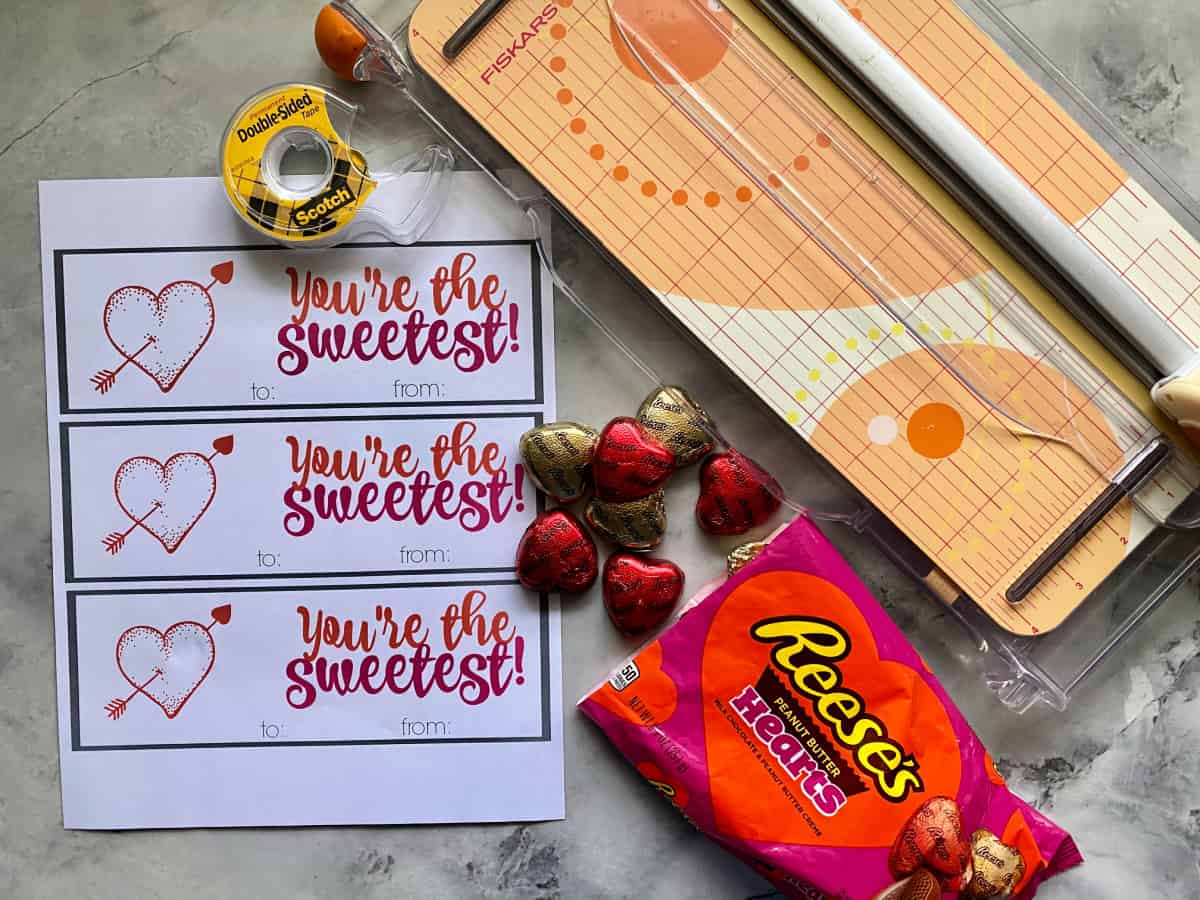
pixel 129 88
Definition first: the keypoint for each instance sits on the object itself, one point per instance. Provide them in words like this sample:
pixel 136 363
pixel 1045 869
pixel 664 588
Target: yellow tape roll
pixel 304 209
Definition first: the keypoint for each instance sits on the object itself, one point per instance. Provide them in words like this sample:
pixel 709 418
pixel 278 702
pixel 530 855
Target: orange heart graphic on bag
pixel 640 692
pixel 810 737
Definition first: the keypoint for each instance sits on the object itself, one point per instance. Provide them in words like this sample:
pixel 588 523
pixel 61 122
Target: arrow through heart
pixel 165 499
pixel 166 666
pixel 160 333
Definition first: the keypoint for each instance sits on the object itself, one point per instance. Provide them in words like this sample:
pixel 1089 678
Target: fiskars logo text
pixel 519 43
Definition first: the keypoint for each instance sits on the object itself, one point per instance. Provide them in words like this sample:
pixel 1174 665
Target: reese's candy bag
pixel 787 717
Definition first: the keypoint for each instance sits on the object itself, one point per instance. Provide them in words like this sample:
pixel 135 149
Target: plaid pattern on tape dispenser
pixel 333 203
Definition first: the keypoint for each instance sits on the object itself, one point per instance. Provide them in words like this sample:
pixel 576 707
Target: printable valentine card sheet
pixel 286 496
pixel 305 497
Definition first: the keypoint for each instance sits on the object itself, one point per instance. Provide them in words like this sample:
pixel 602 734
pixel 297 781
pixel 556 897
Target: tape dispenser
pixel 340 192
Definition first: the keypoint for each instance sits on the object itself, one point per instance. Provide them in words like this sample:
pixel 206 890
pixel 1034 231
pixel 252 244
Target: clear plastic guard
pixel 769 444
pixel 1049 74
pixel 1074 401
pixel 1022 672
pixel 408 226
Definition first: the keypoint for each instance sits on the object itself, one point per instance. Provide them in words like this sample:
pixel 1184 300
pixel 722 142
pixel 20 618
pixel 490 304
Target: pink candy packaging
pixel 789 719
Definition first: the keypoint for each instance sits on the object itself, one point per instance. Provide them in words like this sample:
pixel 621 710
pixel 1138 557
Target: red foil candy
pixel 933 837
pixel 736 494
pixel 640 591
pixel 557 553
pixel 629 463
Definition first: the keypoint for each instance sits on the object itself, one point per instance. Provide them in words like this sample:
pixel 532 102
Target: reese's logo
pixel 808 650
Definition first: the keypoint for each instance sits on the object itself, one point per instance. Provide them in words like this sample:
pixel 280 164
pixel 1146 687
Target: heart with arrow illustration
pixel 160 333
pixel 166 667
pixel 165 499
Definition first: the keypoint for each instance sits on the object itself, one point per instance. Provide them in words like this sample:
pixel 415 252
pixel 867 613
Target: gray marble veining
pixel 125 88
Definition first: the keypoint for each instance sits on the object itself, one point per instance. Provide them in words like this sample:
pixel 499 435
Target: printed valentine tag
pixel 286 491
pixel 343 666
pixel 254 327
pixel 311 497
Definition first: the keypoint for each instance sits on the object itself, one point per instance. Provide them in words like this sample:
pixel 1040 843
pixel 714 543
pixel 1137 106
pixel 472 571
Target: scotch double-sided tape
pixel 303 209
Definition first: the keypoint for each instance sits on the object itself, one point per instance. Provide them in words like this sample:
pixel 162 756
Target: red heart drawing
pixel 166 499
pixel 736 494
pixel 223 272
pixel 160 333
pixel 556 553
pixel 640 592
pixel 629 462
pixel 166 666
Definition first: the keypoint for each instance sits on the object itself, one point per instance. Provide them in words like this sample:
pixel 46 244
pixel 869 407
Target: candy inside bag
pixel 788 718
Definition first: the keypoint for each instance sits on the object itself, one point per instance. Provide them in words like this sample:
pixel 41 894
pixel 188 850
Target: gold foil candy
pixel 636 525
pixel 558 458
pixel 743 554
pixel 679 422
pixel 999 868
pixel 920 885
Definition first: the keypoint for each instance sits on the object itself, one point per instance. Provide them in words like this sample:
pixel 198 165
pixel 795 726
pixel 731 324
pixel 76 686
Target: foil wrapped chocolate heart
pixel 682 426
pixel 742 555
pixel 640 591
pixel 920 885
pixel 556 553
pixel 736 494
pixel 636 525
pixel 558 458
pixel 933 838
pixel 629 463
pixel 998 868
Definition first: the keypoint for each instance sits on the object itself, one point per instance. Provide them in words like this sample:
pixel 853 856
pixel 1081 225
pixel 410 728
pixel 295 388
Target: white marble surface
pixel 119 88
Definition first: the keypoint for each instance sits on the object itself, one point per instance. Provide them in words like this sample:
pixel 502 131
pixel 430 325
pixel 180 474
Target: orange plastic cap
pixel 338 41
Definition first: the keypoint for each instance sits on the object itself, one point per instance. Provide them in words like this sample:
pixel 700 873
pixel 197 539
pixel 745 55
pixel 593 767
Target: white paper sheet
pixel 286 497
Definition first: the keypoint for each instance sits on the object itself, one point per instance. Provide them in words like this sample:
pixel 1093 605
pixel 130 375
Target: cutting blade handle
pixel 1179 397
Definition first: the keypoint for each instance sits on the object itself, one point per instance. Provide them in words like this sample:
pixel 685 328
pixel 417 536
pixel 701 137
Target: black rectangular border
pixel 61 318
pixel 73 670
pixel 64 440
